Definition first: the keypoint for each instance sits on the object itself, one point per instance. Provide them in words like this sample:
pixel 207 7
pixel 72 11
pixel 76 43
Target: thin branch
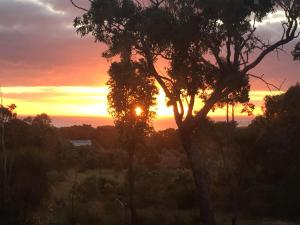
pixel 181 108
pixel 228 46
pixel 282 83
pixel 244 61
pixel 157 3
pixel 266 52
pixel 161 81
pixel 140 3
pixel 268 84
pixel 249 37
pixel 191 106
pixel 213 99
pixel 79 7
pixel 167 79
pixel 207 62
pixel 216 55
pixel 289 33
pixel 150 62
pixel 237 49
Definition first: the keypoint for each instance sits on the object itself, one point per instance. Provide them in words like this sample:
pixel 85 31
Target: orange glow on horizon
pixel 92 101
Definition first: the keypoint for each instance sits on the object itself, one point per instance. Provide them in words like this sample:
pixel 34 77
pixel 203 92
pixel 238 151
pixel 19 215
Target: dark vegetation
pixel 253 172
pixel 209 49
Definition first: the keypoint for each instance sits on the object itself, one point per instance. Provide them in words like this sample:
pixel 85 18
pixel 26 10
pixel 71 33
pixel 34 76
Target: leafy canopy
pixel 209 46
pixel 129 89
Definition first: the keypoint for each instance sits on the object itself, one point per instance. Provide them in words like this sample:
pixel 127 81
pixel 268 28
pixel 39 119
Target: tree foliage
pixel 131 89
pixel 7 113
pixel 210 46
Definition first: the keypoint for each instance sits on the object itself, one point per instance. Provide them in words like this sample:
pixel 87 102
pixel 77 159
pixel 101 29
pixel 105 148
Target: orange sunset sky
pixel 46 67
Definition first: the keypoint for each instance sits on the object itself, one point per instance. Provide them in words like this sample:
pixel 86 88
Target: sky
pixel 46 67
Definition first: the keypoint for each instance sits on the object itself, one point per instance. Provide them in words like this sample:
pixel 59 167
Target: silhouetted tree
pixel 276 148
pixel 6 115
pixel 42 120
pixel 210 46
pixel 28 187
pixel 130 97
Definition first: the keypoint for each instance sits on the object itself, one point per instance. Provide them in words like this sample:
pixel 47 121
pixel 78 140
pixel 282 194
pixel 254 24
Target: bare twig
pixel 79 7
pixel 157 3
pixel 167 79
pixel 268 84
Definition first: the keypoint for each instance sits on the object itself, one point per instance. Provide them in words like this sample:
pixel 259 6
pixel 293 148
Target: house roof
pixel 80 143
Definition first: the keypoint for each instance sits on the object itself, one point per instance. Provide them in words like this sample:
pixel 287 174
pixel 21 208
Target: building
pixel 81 143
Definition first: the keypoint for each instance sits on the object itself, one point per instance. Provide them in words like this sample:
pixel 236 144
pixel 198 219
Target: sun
pixel 138 111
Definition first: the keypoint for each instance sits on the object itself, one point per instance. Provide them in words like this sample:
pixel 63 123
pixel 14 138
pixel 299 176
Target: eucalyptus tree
pixel 209 48
pixel 131 96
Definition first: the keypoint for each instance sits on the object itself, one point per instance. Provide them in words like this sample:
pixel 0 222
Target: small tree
pixel 42 120
pixel 131 96
pixel 6 115
pixel 277 141
pixel 209 47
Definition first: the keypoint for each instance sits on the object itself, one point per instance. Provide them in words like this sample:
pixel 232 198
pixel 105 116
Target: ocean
pixel 159 124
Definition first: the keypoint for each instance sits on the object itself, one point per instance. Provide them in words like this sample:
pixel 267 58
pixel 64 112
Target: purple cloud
pixel 39 46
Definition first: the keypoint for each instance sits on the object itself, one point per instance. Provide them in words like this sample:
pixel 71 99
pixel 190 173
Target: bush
pixel 28 186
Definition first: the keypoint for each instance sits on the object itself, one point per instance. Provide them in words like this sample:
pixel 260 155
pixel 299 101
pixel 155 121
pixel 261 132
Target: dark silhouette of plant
pixel 210 48
pixel 42 120
pixel 6 115
pixel 131 96
pixel 276 146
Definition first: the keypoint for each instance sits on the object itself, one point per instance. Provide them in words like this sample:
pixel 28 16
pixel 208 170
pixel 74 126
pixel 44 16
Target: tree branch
pixel 160 79
pixel 181 108
pixel 167 79
pixel 268 84
pixel 228 46
pixel 191 106
pixel 266 52
pixel 157 3
pixel 79 7
pixel 217 95
pixel 289 33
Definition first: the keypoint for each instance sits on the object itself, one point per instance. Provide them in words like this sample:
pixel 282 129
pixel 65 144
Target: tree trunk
pixel 131 192
pixel 234 220
pixel 232 112
pixel 193 155
pixel 4 155
pixel 227 112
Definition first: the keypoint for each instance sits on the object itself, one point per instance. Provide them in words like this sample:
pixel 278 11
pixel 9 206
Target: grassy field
pixel 112 213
